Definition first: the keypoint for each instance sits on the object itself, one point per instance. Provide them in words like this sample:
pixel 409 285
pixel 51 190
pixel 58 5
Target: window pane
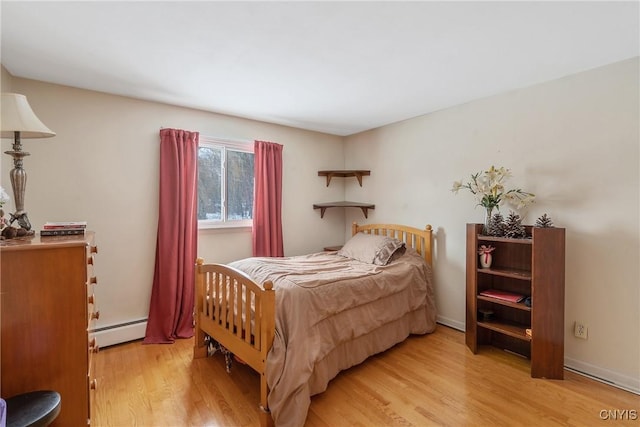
pixel 209 183
pixel 239 185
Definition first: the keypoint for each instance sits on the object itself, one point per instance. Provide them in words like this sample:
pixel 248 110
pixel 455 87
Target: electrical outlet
pixel 580 330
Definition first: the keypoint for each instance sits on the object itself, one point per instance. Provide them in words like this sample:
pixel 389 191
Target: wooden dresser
pixel 47 303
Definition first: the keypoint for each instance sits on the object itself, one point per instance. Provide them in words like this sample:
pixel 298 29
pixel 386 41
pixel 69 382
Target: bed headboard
pixel 420 240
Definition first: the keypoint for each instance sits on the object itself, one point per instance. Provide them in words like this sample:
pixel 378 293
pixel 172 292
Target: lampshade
pixel 17 115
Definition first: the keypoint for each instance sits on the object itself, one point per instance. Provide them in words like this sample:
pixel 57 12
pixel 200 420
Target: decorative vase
pixel 488 213
pixel 485 260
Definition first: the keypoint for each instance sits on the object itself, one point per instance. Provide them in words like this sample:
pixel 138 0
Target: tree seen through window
pixel 225 184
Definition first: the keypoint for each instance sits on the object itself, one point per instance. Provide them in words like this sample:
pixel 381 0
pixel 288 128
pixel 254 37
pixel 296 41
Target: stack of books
pixel 64 228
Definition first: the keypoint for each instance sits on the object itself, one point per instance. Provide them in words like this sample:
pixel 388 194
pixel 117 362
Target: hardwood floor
pixel 431 380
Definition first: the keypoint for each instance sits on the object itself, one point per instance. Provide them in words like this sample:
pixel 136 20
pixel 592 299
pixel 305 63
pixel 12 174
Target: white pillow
pixel 371 248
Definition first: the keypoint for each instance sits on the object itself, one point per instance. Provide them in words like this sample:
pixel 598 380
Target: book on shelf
pixel 62 232
pixel 65 225
pixel 502 295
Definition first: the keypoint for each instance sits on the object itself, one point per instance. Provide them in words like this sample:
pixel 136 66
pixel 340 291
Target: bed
pixel 299 321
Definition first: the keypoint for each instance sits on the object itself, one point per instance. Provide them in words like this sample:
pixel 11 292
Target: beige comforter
pixel 324 304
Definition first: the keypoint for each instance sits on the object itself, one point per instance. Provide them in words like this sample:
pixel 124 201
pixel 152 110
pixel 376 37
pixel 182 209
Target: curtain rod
pixel 221 139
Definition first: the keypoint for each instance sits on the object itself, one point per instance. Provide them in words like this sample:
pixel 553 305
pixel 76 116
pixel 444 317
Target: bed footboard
pixel 239 314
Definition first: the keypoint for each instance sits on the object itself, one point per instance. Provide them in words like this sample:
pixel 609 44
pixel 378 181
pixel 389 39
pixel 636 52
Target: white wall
pixel 574 143
pixel 102 167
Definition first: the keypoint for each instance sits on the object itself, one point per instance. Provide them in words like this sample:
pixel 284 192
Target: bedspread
pixel 324 301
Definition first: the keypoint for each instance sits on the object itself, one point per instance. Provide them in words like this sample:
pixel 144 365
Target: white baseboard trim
pixel 603 375
pixel 120 333
pixel 606 376
pixel 450 323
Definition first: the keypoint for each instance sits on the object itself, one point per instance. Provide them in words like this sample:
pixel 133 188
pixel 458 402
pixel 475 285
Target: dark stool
pixel 33 409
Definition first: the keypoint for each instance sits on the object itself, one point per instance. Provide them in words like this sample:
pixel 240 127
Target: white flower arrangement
pixel 488 187
pixel 4 197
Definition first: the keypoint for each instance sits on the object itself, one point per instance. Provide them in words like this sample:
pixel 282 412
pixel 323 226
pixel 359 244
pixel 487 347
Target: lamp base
pixel 9 233
pixel 23 220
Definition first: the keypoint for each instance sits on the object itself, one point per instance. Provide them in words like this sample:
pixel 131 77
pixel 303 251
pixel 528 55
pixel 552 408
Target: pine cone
pixel 496 225
pixel 514 228
pixel 544 222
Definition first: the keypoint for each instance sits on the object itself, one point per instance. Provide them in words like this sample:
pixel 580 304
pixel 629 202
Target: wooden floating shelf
pixel 344 174
pixel 364 206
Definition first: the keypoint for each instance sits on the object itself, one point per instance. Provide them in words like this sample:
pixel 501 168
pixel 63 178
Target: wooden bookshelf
pixel 533 267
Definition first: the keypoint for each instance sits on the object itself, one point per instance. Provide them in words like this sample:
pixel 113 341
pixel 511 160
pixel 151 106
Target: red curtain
pixel 171 306
pixel 267 200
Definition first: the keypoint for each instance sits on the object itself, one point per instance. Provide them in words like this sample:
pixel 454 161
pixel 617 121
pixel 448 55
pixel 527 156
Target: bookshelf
pixel 533 267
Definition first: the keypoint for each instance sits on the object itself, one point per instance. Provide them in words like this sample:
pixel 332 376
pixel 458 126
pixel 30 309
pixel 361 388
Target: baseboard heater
pixel 120 333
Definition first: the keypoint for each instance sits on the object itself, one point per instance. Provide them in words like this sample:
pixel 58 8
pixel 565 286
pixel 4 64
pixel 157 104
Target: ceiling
pixel 333 67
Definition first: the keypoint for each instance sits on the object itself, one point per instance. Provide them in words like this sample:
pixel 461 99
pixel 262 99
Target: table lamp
pixel 19 121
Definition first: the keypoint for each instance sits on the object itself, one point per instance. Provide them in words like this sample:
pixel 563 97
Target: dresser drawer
pixel 93 314
pixel 93 348
pixel 92 382
pixel 92 311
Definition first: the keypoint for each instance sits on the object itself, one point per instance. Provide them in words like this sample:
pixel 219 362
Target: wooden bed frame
pixel 222 292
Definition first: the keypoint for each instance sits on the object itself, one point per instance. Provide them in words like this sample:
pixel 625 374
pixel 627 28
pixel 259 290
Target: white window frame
pixel 224 145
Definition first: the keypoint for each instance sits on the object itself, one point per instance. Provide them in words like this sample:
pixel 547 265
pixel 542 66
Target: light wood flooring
pixel 431 380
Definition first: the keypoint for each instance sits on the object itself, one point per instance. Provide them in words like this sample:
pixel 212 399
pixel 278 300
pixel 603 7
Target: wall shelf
pixel 344 174
pixel 358 173
pixel 364 206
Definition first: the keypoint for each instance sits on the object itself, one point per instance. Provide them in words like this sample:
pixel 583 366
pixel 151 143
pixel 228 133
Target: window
pixel 225 183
